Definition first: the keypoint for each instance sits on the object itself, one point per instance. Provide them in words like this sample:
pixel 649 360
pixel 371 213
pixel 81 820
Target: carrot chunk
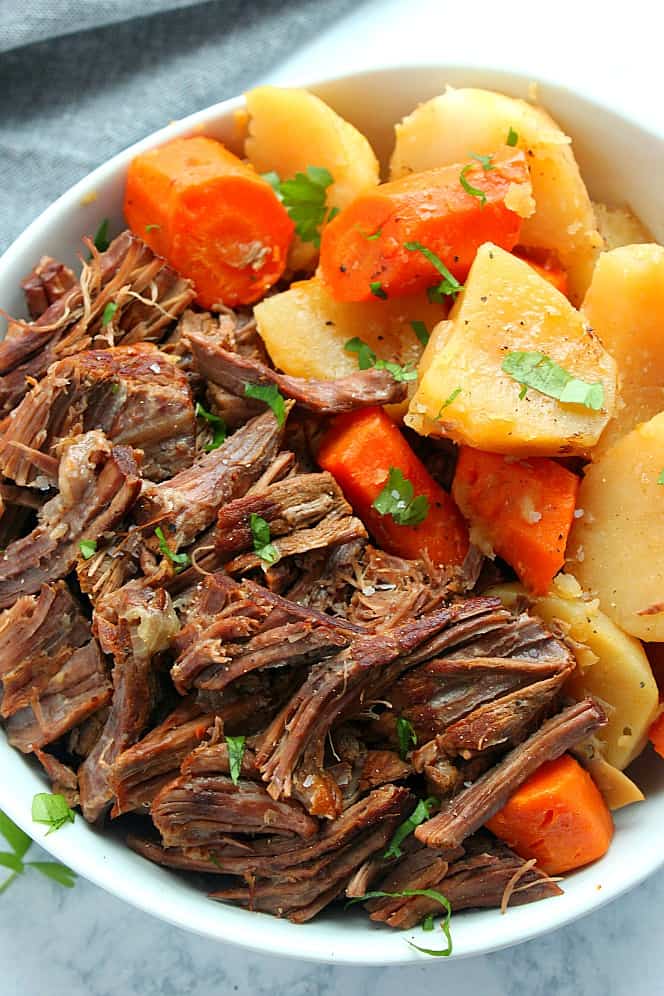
pixel 557 816
pixel 546 264
pixel 211 216
pixel 364 250
pixel 523 509
pixel 359 451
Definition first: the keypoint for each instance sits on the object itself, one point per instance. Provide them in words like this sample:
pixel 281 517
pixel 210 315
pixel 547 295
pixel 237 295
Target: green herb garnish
pixel 512 137
pixel 377 290
pixel 269 393
pixel 448 401
pixel 217 425
pixel 406 736
pixel 420 330
pixel 398 500
pixel 438 897
pixel 539 371
pixel 449 286
pixel 473 191
pixel 88 548
pixel 13 860
pixel 405 373
pixel 179 560
pixel 304 198
pixel 52 810
pixel 333 212
pixel 366 357
pixel 485 161
pixel 421 813
pixel 260 534
pixel 101 240
pixel 108 312
pixel 235 755
pixel 427 923
pixel 376 235
pixel 660 479
pixel 150 228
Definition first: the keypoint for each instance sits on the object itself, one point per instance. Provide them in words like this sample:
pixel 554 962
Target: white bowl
pixel 619 161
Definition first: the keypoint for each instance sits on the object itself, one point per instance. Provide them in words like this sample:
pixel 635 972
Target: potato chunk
pixel 305 330
pixel 610 665
pixel 619 226
pixel 625 306
pixel 290 129
pixel 616 550
pixel 448 128
pixel 506 306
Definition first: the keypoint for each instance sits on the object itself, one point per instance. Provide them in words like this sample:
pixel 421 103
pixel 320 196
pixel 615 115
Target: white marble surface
pixel 69 943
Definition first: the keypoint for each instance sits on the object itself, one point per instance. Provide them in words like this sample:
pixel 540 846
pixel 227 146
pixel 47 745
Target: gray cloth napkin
pixel 82 79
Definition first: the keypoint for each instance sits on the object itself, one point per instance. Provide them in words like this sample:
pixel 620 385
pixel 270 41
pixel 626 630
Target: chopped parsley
pixel 406 736
pixel 333 212
pixel 376 235
pixel 449 286
pixel 52 810
pixel 235 755
pixel 448 401
pixel 88 548
pixel 366 358
pixel 304 197
pixel 427 923
pixel 420 330
pixel 473 191
pixel 269 393
pixel 485 161
pixel 13 860
pixel 398 500
pixel 150 228
pixel 108 312
pixel 406 372
pixel 262 540
pixel 377 290
pixel 437 897
pixel 217 425
pixel 539 371
pixel 101 240
pixel 512 137
pixel 179 560
pixel 421 813
pixel 660 479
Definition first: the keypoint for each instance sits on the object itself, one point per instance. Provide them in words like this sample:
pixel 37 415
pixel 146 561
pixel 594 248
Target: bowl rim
pixel 298 941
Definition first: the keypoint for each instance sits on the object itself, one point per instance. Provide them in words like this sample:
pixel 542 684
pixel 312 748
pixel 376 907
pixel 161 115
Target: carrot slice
pixel 359 451
pixel 211 216
pixel 546 264
pixel 365 245
pixel 523 509
pixel 557 816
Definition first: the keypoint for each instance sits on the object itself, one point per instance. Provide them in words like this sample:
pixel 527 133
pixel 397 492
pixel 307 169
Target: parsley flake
pixel 101 240
pixel 377 290
pixel 448 401
pixel 262 540
pixel 437 897
pixel 449 286
pixel 400 373
pixel 179 560
pixel 52 810
pixel 512 137
pixel 235 755
pixel 406 736
pixel 485 161
pixel 398 500
pixel 473 191
pixel 421 813
pixel 151 228
pixel 333 212
pixel 376 235
pixel 88 548
pixel 366 357
pixel 660 479
pixel 420 330
pixel 217 425
pixel 269 393
pixel 304 197
pixel 539 371
pixel 108 312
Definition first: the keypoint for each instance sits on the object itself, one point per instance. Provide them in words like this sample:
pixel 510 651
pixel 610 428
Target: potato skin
pixel 447 128
pixel 610 665
pixel 616 550
pixel 507 306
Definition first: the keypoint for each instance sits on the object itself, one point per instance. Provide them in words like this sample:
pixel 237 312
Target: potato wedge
pixel 304 330
pixel 290 129
pixel 619 226
pixel 448 128
pixel 634 405
pixel 616 550
pixel 610 665
pixel 507 306
pixel 625 306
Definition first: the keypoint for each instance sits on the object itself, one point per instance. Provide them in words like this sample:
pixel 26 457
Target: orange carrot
pixel 656 735
pixel 523 508
pixel 213 218
pixel 359 451
pixel 546 264
pixel 557 816
pixel 363 249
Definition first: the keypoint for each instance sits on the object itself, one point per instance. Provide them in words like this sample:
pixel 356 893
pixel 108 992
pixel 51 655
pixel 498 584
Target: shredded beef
pixel 45 284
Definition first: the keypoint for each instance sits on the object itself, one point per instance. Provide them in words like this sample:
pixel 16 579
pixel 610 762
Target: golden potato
pixel 618 226
pixel 625 306
pixel 610 665
pixel 616 550
pixel 634 405
pixel 304 330
pixel 507 306
pixel 290 129
pixel 618 790
pixel 448 128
